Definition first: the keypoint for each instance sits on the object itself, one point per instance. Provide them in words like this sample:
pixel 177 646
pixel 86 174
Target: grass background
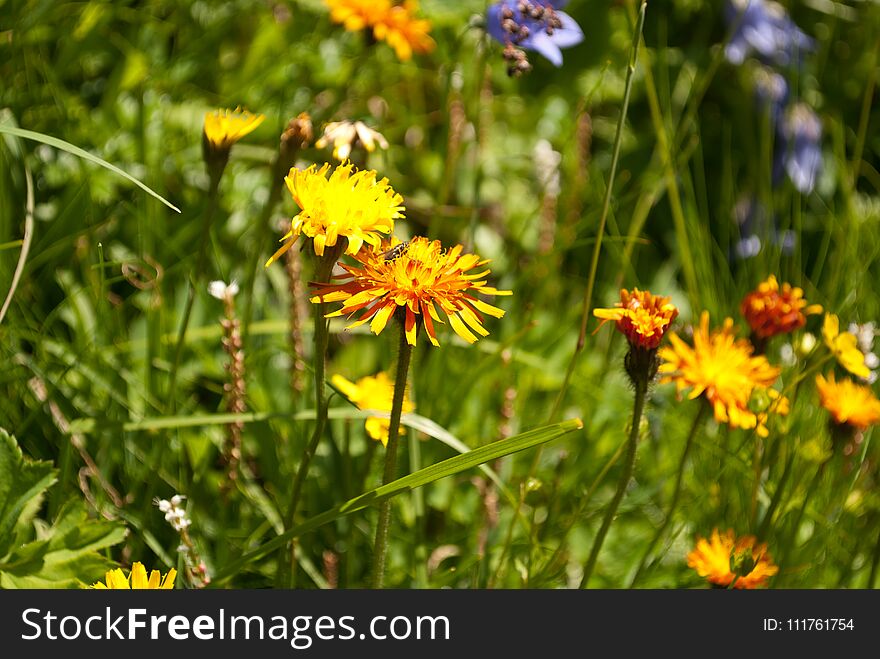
pixel 88 341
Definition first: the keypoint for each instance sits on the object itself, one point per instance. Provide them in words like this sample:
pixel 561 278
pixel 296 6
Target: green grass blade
pixel 419 478
pixel 85 155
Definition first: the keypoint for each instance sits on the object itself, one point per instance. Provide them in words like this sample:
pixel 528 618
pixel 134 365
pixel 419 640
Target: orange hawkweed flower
pixel 406 34
pixel 724 370
pixel 416 279
pixel 772 309
pixel 727 561
pixel 848 403
pixel 641 317
pixel 395 24
pixel 137 579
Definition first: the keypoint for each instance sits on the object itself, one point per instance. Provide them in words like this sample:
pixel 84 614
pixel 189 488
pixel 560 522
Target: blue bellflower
pixel 799 147
pixel 757 225
pixel 771 93
pixel 764 28
pixel 534 25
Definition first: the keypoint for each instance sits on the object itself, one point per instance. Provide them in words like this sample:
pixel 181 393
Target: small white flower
pixel 222 290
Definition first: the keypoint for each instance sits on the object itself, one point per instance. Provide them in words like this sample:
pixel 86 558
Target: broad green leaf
pixel 68 554
pixel 21 479
pixel 85 155
pixel 419 478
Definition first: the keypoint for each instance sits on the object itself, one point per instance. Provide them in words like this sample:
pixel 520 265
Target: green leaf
pixel 417 479
pixel 67 557
pixel 21 480
pixel 85 155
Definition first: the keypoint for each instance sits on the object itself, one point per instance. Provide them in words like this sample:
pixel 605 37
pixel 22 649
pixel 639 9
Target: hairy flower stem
pixel 323 269
pixel 641 395
pixel 381 545
pixel 676 494
pixel 196 280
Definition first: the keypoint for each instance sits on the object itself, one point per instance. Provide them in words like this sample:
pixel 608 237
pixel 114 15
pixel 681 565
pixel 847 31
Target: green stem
pixel 606 205
pixel 381 546
pixel 323 269
pixel 263 231
pixel 196 278
pixel 594 264
pixel 641 394
pixel 777 497
pixel 676 494
pixel 875 564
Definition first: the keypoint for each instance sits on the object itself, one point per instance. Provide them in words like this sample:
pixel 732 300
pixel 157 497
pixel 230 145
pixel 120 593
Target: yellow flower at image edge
pixel 223 128
pixel 724 370
pixel 137 579
pixel 373 392
pixel 724 560
pixel 640 316
pixel 350 204
pixel 848 402
pixel 844 346
pixel 419 279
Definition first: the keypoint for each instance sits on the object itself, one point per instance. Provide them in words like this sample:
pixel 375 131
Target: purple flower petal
pixel 545 45
pixel 570 34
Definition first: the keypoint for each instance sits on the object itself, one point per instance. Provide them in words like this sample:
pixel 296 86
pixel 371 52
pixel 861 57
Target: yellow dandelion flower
pixel 373 392
pixel 351 204
pixel 727 561
pixel 416 279
pixel 344 135
pixel 223 128
pixel 724 370
pixel 772 309
pixel 848 403
pixel 137 579
pixel 641 317
pixel 844 346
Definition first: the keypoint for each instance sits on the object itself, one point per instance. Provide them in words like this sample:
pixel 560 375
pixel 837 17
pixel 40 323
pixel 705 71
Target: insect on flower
pixel 396 251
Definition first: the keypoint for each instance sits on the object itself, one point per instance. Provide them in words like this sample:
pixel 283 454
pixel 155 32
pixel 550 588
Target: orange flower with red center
pixel 418 279
pixel 641 317
pixel 727 561
pixel 772 309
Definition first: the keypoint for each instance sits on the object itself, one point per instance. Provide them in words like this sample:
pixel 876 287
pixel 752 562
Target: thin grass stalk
pixel 196 280
pixel 641 395
pixel 389 473
pixel 606 206
pixel 594 264
pixel 323 269
pixel 702 413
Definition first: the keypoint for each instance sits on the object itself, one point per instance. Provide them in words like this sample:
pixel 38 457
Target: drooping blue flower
pixel 765 28
pixel 756 225
pixel 799 147
pixel 534 25
pixel 771 92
